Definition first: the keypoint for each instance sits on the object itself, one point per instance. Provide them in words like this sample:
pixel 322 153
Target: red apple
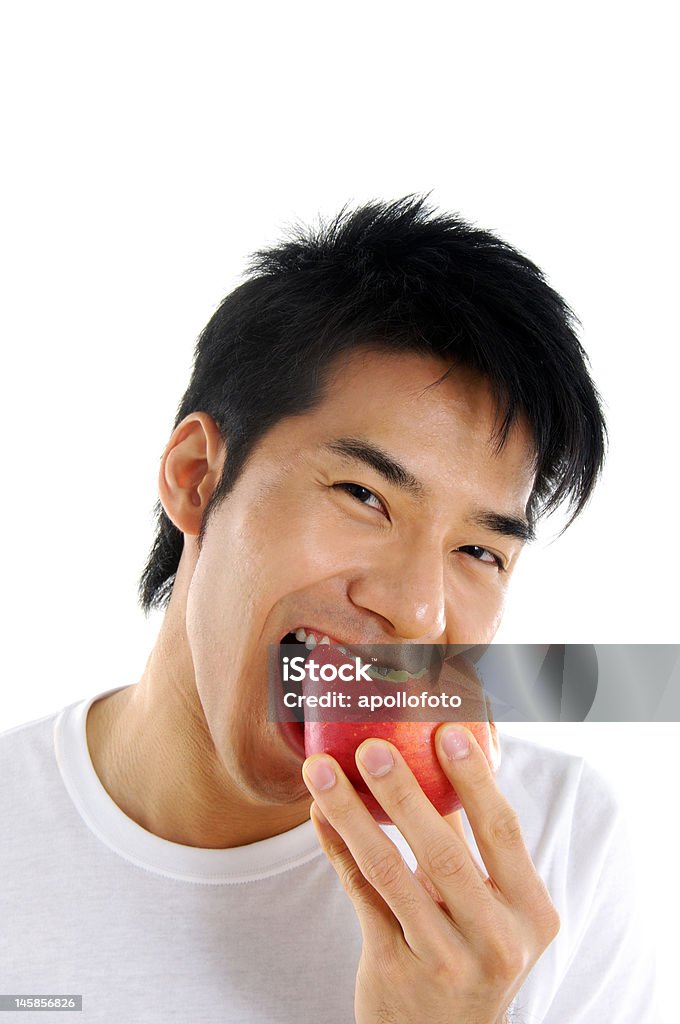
pixel 340 737
pixel 415 741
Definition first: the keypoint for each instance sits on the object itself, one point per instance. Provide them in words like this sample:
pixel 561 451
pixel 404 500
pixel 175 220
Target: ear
pixel 191 467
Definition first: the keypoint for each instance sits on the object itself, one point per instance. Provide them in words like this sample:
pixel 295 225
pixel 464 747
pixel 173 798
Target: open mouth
pixel 394 663
pixel 305 648
pixel 311 663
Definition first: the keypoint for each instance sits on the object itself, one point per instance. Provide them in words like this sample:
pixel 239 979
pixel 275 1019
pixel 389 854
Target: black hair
pixel 405 277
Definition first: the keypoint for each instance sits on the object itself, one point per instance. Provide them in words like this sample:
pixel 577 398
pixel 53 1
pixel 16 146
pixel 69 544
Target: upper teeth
pixel 381 672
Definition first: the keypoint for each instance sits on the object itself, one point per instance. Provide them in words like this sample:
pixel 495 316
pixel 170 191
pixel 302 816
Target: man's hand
pixel 457 958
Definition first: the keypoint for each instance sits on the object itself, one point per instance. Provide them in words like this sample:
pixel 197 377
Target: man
pixel 376 419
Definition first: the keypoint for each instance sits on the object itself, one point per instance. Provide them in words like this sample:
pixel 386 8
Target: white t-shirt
pixel 147 930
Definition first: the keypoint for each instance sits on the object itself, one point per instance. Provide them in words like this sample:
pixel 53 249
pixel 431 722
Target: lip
pixel 317 632
pixel 292 733
pixel 294 737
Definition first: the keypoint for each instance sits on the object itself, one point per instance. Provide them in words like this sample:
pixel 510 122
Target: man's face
pixel 315 535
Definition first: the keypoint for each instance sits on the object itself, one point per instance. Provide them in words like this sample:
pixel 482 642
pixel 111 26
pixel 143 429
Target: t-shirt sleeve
pixel 609 959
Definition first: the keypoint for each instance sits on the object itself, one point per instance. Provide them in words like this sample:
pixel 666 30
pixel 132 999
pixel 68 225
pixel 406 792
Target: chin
pixel 266 769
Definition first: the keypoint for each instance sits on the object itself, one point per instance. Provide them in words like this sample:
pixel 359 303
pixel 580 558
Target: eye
pixel 483 555
pixel 363 495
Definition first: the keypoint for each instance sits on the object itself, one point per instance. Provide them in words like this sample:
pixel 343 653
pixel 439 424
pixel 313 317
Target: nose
pixel 406 588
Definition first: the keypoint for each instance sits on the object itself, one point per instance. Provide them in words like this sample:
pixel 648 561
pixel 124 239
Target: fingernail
pixel 376 758
pixel 320 773
pixel 455 743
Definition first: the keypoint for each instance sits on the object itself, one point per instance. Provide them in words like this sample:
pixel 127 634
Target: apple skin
pixel 415 741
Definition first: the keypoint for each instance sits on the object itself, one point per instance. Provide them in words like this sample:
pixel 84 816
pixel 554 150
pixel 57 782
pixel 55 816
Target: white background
pixel 149 147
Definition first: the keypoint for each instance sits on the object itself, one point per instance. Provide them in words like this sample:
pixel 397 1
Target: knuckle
pixel 543 916
pixel 442 967
pixel 353 882
pixel 405 903
pixel 505 962
pixel 383 868
pixel 342 814
pixel 548 921
pixel 477 766
pixel 505 829
pixel 513 965
pixel 446 859
pixel 404 799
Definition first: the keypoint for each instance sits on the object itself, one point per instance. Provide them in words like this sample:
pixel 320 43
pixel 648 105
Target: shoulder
pixel 27 761
pixel 531 768
pixel 26 737
pixel 558 793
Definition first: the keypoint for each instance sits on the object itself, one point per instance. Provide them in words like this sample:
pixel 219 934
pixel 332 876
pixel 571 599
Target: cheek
pixel 221 618
pixel 295 547
pixel 236 568
pixel 475 611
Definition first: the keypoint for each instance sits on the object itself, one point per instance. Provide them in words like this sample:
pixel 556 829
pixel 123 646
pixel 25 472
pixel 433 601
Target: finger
pixel 429 887
pixel 454 820
pixel 493 820
pixel 421 921
pixel 495 749
pixel 456 824
pixel 441 852
pixel 375 917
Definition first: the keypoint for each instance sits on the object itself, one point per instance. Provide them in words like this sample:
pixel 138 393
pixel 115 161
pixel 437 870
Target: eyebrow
pixel 381 461
pixel 505 525
pixel 359 450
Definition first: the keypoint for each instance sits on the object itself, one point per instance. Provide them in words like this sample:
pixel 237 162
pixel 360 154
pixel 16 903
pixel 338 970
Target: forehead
pixel 441 430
